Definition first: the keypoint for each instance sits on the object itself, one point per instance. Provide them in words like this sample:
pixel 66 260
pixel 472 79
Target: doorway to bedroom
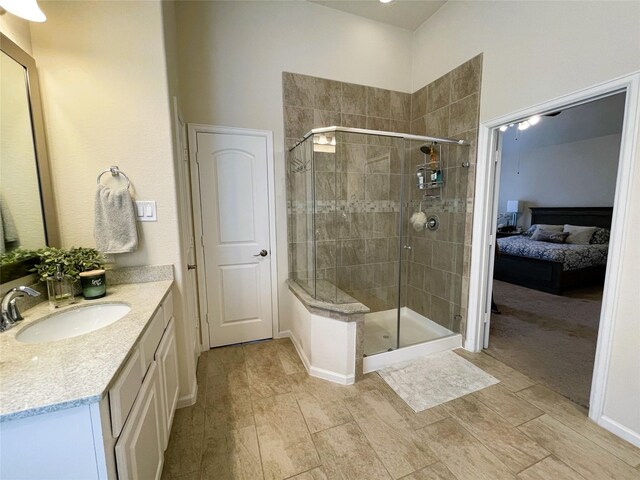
pixel 554 193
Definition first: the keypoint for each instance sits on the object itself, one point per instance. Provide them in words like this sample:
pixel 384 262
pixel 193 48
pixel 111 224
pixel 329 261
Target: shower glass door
pixel 366 227
pixel 433 237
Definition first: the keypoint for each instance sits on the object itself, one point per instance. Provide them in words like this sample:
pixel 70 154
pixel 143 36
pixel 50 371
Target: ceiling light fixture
pixel 386 1
pixel 524 124
pixel 27 9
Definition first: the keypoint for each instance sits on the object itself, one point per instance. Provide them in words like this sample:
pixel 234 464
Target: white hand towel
pixel 115 223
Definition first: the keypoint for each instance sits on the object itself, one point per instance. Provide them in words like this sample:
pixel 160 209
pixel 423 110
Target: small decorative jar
pixel 94 284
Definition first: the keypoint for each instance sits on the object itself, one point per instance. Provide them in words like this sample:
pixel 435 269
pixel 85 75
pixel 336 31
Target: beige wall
pixel 17 30
pixel 105 96
pixel 232 55
pixel 575 174
pixel 105 101
pixel 534 52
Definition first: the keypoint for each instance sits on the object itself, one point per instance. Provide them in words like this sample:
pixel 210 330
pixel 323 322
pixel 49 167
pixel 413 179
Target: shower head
pixel 426 149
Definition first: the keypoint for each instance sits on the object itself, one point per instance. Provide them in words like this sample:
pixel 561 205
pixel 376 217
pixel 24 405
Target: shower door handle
pixel 263 253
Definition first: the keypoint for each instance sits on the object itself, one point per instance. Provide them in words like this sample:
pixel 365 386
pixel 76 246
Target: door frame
pixel 187 234
pixel 484 224
pixel 194 129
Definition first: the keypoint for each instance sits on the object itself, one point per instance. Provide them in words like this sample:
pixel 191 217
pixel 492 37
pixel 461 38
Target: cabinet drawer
pixel 151 338
pixel 123 393
pixel 167 308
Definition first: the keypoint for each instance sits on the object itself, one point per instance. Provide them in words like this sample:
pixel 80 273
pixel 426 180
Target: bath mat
pixel 435 379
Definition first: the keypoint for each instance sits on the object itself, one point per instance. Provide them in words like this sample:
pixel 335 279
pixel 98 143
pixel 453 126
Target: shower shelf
pixel 433 189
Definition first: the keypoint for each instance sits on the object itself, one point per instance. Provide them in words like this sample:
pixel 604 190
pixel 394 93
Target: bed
pixel 551 267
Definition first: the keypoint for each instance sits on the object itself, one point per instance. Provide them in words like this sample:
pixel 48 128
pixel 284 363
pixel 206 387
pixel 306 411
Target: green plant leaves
pixel 73 261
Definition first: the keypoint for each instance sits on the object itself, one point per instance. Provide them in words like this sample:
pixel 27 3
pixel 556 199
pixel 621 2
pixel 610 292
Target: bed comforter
pixel 572 257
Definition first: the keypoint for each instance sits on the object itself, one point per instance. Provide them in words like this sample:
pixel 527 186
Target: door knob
pixel 191 266
pixel 263 253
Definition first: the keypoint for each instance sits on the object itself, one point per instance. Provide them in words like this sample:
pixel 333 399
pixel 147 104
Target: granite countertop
pixel 43 377
pixel 350 306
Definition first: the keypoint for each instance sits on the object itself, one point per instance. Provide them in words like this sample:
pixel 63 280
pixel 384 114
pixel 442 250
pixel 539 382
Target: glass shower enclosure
pixel 378 218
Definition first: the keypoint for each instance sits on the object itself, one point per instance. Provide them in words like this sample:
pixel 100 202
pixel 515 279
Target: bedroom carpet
pixel 550 338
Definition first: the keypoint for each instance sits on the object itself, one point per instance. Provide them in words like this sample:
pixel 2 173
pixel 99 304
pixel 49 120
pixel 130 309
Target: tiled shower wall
pixel 357 188
pixel 438 268
pixel 357 191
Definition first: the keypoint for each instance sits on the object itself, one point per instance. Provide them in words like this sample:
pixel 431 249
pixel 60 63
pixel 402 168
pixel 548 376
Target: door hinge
pixel 487 316
pixel 490 240
pixel 206 318
pixel 185 154
pixel 202 241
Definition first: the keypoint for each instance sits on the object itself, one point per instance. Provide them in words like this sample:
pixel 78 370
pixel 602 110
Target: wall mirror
pixel 27 216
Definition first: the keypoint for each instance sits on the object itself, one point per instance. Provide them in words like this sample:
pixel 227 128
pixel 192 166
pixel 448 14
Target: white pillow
pixel 579 235
pixel 540 226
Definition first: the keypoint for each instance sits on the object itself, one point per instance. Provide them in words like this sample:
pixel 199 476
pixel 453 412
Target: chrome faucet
pixel 10 312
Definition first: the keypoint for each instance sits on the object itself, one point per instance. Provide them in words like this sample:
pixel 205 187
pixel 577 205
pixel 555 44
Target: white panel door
pixel 234 206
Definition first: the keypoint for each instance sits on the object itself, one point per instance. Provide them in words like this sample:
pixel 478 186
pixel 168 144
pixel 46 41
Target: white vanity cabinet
pixel 123 436
pixel 139 449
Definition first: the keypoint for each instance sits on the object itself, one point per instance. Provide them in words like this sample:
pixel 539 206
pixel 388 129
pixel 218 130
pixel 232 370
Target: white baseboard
pixel 296 344
pixel 386 359
pixel 189 399
pixel 620 430
pixel 332 376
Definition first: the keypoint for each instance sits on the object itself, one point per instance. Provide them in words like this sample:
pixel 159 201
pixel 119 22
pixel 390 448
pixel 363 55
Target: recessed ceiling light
pixel 523 125
pixel 535 119
pixel 386 1
pixel 503 128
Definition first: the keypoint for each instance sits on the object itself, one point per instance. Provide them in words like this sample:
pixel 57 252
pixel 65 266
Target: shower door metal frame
pixel 382 133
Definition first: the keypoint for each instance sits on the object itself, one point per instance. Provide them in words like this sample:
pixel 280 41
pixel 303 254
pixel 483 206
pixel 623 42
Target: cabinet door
pixel 139 451
pixel 167 358
pixel 125 390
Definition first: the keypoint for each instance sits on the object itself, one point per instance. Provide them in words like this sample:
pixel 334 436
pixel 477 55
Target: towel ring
pixel 115 171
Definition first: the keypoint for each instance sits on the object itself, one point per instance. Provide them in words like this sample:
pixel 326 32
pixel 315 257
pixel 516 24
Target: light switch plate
pixel 146 211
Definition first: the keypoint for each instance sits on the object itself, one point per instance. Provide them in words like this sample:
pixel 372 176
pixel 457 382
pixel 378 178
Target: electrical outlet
pixel 146 211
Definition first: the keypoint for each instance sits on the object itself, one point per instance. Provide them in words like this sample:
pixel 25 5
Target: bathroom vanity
pixel 95 406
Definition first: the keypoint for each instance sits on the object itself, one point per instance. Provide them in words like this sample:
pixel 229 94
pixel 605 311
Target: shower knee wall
pixel 328 347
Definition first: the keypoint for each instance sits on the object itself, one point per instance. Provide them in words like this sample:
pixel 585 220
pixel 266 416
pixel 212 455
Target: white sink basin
pixel 73 323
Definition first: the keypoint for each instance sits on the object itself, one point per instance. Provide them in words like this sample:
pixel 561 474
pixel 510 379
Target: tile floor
pixel 259 415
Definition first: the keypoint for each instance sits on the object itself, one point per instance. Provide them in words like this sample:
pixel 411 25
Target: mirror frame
pixel 52 236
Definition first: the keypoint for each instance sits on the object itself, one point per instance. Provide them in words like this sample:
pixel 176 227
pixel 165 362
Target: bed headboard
pixel 585 216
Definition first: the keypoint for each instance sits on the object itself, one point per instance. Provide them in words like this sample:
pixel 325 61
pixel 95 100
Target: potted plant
pixel 60 268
